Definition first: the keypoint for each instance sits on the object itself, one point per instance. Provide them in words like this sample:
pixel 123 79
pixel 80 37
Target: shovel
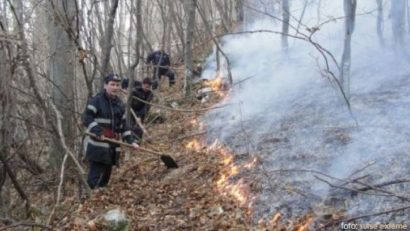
pixel 166 159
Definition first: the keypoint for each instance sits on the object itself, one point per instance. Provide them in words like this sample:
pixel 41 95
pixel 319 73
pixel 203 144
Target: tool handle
pixel 123 144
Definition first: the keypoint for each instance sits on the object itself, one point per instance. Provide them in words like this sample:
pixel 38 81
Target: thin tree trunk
pixel 350 13
pixel 285 25
pixel 190 9
pixel 16 184
pixel 177 24
pixel 216 43
pixel 222 15
pixel 380 22
pixel 398 14
pixel 138 41
pixel 62 71
pixel 108 35
pixel 240 14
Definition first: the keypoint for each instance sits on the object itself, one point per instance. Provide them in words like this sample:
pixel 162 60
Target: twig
pixel 345 188
pixel 64 145
pixel 60 185
pixel 369 186
pixel 243 80
pixel 189 135
pixel 361 169
pixel 22 223
pixel 382 190
pixel 179 110
pixel 379 213
pixel 138 121
pixel 278 184
pixel 386 184
pixel 366 216
pixel 357 178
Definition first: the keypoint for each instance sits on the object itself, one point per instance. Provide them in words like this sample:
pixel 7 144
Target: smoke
pixel 284 108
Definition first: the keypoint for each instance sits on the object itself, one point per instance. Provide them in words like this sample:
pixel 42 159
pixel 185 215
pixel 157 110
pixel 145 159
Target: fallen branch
pixel 189 135
pixel 68 151
pixel 60 186
pixel 332 223
pixel 385 184
pixel 378 213
pixel 346 188
pixel 138 121
pixel 179 110
pixel 382 190
pixel 21 223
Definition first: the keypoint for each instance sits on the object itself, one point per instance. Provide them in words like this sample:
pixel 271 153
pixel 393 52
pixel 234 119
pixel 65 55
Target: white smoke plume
pixel 286 111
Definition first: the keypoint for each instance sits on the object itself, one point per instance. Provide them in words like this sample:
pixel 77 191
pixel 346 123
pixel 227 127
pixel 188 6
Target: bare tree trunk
pixel 190 9
pixel 176 22
pixel 6 107
pixel 62 72
pixel 164 25
pixel 380 22
pixel 138 41
pixel 318 14
pixel 285 25
pixel 240 15
pixel 107 44
pixel 216 42
pixel 222 15
pixel 398 14
pixel 350 13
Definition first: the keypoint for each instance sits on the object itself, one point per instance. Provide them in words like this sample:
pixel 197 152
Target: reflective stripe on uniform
pixel 99 144
pixel 102 120
pixel 118 149
pixel 93 124
pixel 124 117
pixel 92 108
pixel 127 133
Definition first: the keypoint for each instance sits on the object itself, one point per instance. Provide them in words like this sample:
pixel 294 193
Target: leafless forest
pixel 55 53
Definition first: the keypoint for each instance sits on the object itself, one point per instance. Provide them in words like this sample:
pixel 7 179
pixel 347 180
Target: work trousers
pixel 98 175
pixel 160 71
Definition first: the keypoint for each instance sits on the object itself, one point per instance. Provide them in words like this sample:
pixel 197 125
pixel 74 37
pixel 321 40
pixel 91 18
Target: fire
pixel 276 218
pixel 193 145
pixel 217 85
pixel 225 185
pixel 194 122
pixel 305 227
pixel 251 164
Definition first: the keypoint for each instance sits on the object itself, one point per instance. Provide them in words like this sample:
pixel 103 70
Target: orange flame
pixel 238 190
pixel 217 85
pixel 251 164
pixel 276 218
pixel 194 122
pixel 193 145
pixel 305 227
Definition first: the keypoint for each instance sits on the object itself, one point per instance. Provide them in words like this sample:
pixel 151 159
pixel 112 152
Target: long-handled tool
pixel 166 159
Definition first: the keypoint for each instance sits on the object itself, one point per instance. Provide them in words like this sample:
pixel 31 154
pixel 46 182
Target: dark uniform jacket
pixel 140 108
pixel 159 58
pixel 103 115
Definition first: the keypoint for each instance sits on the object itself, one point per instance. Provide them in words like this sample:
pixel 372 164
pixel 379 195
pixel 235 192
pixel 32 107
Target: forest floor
pixel 156 198
pixel 199 195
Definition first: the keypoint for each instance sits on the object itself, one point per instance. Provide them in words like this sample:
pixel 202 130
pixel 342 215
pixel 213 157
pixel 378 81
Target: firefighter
pixel 141 96
pixel 104 116
pixel 161 62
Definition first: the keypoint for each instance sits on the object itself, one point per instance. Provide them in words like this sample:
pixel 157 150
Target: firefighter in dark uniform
pixel 161 62
pixel 141 90
pixel 104 116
